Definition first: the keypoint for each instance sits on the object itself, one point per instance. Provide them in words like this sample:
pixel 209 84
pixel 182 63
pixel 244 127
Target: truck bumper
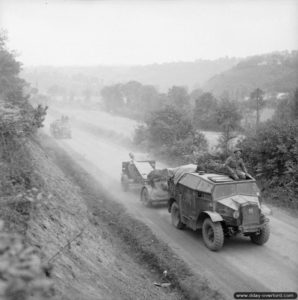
pixel 253 228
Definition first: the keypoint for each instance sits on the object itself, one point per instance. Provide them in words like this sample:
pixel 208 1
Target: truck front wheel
pixel 175 214
pixel 262 237
pixel 213 234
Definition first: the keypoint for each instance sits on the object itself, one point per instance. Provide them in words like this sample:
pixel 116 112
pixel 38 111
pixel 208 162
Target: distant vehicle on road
pixel 140 173
pixel 60 128
pixel 217 204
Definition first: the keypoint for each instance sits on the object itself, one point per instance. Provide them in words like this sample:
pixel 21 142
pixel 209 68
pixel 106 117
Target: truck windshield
pixel 249 189
pixel 224 191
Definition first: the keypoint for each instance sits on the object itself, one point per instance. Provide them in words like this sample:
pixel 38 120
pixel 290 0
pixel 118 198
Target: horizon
pixel 133 33
pixel 158 64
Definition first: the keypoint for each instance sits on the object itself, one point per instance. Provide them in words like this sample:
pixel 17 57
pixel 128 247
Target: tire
pixel 175 215
pixel 213 234
pixel 145 199
pixel 124 183
pixel 262 237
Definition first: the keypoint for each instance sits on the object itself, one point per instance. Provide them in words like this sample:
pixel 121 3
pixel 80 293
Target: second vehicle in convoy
pixel 140 174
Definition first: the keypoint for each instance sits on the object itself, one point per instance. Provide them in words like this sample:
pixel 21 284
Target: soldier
pixel 235 165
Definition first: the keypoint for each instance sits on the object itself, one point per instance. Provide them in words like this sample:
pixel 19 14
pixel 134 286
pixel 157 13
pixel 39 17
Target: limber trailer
pixel 140 174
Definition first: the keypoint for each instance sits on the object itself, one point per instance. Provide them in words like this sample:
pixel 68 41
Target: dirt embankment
pixel 87 257
pixel 96 249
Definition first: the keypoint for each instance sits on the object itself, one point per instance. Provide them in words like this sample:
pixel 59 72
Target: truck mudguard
pixel 214 216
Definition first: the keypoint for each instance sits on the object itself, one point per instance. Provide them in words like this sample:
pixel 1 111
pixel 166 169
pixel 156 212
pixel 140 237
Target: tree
pixel 113 98
pixel 287 109
pixel 17 116
pixel 228 118
pixel 132 92
pixel 167 126
pixel 204 111
pixel 194 95
pixel 257 103
pixel 179 98
pixel 170 134
pixel 141 98
pixel 272 155
pixel 11 85
pixel 132 99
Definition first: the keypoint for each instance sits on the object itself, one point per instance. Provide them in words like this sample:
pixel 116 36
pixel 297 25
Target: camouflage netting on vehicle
pixel 178 172
pixel 158 175
pixel 209 166
pixel 212 166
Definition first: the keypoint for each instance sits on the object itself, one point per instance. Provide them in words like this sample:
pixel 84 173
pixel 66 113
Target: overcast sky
pixel 88 32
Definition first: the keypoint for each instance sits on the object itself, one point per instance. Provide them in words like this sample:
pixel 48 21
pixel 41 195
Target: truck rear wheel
pixel 175 214
pixel 262 237
pixel 213 234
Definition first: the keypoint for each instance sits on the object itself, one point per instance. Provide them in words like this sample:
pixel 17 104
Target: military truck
pixel 217 204
pixel 140 174
pixel 60 128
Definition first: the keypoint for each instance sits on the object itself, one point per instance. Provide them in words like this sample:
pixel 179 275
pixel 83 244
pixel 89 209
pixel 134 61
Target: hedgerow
pixel 21 272
pixel 272 156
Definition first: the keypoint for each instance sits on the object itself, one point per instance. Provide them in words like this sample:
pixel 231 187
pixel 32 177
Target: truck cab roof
pixel 206 181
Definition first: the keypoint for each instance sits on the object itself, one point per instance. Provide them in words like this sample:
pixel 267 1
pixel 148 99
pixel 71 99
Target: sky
pixel 131 32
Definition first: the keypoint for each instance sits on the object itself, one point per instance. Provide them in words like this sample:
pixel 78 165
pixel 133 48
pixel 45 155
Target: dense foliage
pixel 272 154
pixel 22 275
pixel 18 120
pixel 269 148
pixel 17 116
pixel 131 99
pixel 170 134
pixel 205 111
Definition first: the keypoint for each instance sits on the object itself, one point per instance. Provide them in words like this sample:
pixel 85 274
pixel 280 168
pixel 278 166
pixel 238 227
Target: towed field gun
pixel 140 173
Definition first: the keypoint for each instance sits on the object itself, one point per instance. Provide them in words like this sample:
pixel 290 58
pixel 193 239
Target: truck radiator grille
pixel 250 214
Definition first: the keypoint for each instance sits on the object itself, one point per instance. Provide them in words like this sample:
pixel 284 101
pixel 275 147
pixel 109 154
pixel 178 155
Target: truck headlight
pixel 236 214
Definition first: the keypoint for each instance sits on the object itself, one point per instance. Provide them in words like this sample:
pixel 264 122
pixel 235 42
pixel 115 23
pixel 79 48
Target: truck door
pixel 188 204
pixel 204 201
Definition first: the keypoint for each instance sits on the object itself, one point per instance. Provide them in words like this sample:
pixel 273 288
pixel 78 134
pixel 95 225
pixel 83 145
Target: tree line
pixel 172 125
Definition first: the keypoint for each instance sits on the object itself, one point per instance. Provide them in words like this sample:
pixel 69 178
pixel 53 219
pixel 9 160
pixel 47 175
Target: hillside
pixel 162 76
pixel 274 73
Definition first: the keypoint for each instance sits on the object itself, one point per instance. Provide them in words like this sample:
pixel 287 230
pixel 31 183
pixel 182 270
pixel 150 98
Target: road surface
pixel 239 267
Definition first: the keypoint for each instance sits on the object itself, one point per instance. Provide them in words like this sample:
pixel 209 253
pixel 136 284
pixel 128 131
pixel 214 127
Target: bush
pixel 272 156
pixel 22 274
